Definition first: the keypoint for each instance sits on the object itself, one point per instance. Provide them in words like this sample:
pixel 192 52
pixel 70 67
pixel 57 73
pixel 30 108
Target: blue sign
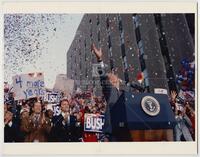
pixel 93 122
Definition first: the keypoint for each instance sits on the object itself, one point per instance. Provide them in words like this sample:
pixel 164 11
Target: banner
pixel 93 122
pixel 27 86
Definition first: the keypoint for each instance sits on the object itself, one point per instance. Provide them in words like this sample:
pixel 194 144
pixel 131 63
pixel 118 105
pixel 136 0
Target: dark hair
pixel 62 101
pixel 10 109
pixel 179 112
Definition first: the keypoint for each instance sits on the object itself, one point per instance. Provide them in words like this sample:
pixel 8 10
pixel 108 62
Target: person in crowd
pixel 191 114
pixel 173 100
pixel 5 108
pixel 87 136
pixel 182 124
pixel 50 115
pixel 49 112
pixel 37 125
pixel 10 127
pixel 24 116
pixel 65 125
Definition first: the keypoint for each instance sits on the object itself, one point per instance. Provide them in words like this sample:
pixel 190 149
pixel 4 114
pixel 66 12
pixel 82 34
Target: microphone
pixel 138 87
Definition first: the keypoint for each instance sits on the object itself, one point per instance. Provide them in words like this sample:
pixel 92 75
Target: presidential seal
pixel 150 105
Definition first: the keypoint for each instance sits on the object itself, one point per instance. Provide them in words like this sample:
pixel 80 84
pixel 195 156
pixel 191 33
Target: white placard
pixel 27 86
pixel 160 91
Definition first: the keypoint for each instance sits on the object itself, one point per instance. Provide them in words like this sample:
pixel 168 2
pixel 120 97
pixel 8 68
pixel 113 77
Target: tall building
pixel 132 43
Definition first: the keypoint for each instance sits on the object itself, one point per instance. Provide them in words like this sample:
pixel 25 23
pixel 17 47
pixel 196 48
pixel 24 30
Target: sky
pixel 38 43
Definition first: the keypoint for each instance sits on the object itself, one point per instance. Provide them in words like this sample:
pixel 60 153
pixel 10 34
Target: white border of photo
pixel 145 148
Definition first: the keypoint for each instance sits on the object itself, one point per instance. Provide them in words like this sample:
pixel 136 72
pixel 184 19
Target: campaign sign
pixel 27 86
pixel 93 122
pixel 52 98
pixel 56 110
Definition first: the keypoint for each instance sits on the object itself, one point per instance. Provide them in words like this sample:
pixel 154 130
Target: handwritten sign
pixel 27 86
pixel 93 122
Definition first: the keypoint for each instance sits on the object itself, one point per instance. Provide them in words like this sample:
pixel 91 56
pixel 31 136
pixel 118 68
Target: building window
pixel 135 20
pixel 79 65
pixel 99 38
pixel 125 63
pixel 110 49
pixel 146 80
pixel 137 33
pixel 123 49
pixel 109 42
pixel 90 32
pixel 140 46
pixel 85 43
pixel 122 37
pixel 98 22
pixel 142 62
pixel 120 25
pixel 107 23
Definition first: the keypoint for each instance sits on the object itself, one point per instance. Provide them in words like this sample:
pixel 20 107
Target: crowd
pixel 183 102
pixel 34 120
pixel 185 118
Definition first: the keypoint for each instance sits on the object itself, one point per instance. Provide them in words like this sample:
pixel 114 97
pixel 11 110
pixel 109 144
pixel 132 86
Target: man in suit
pixel 110 87
pixel 65 125
pixel 36 126
pixel 10 127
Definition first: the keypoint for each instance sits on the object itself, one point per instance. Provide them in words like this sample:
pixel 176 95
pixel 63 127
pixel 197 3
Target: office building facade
pixel 152 44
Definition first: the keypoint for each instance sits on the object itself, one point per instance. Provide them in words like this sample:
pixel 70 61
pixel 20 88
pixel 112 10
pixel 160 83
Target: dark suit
pixel 35 132
pixel 10 132
pixel 65 131
pixel 111 95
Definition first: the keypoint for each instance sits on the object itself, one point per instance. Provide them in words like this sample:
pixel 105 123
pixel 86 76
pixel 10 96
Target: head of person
pixel 114 80
pixel 24 112
pixel 37 107
pixel 180 113
pixel 8 115
pixel 50 113
pixel 64 105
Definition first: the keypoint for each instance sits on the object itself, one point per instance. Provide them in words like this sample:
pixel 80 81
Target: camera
pixel 97 70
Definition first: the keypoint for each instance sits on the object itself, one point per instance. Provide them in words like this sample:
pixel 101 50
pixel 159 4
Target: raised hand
pixel 98 52
pixel 173 95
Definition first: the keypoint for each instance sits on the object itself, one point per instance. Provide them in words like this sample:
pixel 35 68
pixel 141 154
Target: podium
pixel 142 117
